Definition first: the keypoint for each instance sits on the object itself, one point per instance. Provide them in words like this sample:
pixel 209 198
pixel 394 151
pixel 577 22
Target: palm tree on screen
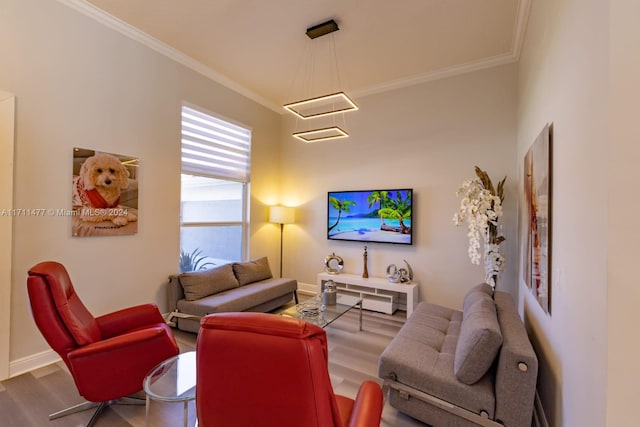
pixel 340 206
pixel 398 208
pixel 378 197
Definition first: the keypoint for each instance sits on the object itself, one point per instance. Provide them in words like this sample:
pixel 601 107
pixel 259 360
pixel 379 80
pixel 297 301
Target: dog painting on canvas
pixel 98 189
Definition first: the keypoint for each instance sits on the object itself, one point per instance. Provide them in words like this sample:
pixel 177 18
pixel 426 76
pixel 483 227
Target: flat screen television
pixel 377 216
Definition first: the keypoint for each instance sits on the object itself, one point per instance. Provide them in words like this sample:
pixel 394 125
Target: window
pixel 214 191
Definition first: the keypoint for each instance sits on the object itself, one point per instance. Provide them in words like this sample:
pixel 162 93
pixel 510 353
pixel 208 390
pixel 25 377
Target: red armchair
pixel 108 356
pixel 257 369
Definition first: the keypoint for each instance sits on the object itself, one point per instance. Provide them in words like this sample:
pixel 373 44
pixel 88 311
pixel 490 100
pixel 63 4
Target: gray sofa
pixel 241 286
pixel 463 368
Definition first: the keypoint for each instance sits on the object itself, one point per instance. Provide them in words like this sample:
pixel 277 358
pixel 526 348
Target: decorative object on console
pixel 365 272
pixel 537 223
pixel 402 275
pixel 380 216
pixel 282 215
pixel 481 207
pixel 333 264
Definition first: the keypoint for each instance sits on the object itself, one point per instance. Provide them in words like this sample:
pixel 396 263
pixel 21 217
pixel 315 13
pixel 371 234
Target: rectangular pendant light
pixel 322 106
pixel 323 134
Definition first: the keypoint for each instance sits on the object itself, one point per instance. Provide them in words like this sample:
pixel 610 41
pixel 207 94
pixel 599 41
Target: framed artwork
pixel 104 194
pixel 536 235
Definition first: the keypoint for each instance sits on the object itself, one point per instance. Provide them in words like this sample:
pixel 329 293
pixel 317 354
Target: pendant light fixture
pixel 328 105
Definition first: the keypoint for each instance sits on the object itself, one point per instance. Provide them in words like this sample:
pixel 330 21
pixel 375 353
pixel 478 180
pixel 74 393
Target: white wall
pixel 427 137
pixel 79 83
pixel 563 79
pixel 623 292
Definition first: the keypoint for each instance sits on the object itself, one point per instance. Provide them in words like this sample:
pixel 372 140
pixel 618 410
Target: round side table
pixel 173 380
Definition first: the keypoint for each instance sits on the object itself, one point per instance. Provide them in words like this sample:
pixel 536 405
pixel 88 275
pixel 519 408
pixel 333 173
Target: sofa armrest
pixel 517 369
pixel 174 292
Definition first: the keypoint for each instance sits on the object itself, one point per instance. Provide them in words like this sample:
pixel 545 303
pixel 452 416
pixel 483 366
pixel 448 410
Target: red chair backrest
pixel 257 369
pixel 61 317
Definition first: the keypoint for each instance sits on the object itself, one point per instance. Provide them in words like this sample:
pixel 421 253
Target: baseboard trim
pixel 35 361
pixel 539 417
pixel 307 288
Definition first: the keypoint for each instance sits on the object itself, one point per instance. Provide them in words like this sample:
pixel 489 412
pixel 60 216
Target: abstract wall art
pixel 536 221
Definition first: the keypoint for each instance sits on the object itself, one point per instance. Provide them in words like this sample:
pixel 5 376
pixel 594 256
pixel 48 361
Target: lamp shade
pixel 282 214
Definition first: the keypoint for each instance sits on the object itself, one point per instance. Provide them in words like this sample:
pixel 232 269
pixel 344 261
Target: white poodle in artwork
pixel 96 191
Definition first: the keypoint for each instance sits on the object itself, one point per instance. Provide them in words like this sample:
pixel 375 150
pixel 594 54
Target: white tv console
pixel 377 293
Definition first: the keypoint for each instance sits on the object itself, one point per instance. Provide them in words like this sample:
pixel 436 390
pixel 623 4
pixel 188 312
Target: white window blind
pixel 214 147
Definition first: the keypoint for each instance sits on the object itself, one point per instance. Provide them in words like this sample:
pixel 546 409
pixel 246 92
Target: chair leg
pixel 127 400
pixel 72 410
pixel 97 413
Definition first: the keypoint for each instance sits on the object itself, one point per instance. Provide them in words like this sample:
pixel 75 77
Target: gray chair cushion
pixel 200 284
pixel 252 271
pixel 479 341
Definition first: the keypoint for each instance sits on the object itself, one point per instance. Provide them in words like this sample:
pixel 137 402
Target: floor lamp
pixel 282 215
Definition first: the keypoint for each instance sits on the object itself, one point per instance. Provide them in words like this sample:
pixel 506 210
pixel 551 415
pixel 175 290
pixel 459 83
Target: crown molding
pixel 522 17
pixel 436 75
pixel 122 27
pixel 133 33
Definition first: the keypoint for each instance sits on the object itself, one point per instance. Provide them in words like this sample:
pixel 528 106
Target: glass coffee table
pixel 325 317
pixel 173 380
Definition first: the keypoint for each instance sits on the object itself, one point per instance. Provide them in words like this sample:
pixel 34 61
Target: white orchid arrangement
pixel 481 208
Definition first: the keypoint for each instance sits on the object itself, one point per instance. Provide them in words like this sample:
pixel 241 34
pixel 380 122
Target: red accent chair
pixel 258 369
pixel 108 356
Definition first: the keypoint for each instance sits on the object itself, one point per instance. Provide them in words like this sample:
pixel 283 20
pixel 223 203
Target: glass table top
pixel 173 380
pixel 330 313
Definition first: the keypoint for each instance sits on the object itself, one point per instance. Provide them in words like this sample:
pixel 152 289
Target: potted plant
pixel 193 261
pixel 481 208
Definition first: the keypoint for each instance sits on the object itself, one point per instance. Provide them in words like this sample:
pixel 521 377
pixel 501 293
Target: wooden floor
pixel 27 400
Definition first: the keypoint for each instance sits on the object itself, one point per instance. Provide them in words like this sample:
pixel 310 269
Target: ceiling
pixel 260 48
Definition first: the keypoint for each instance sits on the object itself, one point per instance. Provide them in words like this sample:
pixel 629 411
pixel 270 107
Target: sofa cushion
pixel 240 299
pixel 475 293
pixel 200 284
pixel 252 271
pixel 479 341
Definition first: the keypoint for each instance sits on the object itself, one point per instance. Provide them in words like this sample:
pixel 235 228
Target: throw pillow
pixel 476 293
pixel 479 341
pixel 252 271
pixel 200 284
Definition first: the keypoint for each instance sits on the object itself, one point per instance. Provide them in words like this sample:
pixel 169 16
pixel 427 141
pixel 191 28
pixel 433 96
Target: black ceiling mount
pixel 322 29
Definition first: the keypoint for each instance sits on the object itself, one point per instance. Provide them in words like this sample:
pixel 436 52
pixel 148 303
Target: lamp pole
pixel 281 240
pixel 281 215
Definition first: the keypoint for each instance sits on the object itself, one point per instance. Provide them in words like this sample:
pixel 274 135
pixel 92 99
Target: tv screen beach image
pixel 382 216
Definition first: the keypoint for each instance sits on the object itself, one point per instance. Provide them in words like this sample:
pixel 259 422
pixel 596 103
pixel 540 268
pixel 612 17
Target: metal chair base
pixel 100 405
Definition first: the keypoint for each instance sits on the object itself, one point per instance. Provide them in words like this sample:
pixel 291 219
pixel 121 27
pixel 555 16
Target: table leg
pixel 186 414
pixel 147 410
pixel 360 314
